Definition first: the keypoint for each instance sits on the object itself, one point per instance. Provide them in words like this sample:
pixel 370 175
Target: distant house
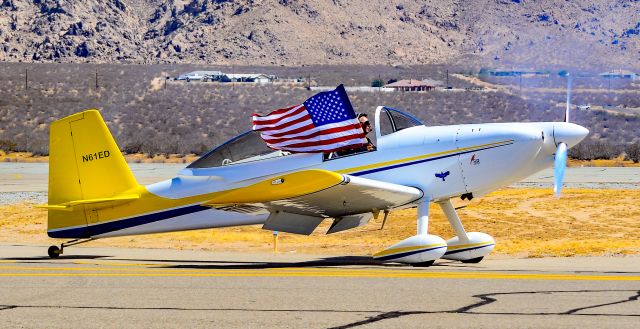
pixel 200 75
pixel 434 83
pixel 411 85
pixel 251 77
pixel 619 74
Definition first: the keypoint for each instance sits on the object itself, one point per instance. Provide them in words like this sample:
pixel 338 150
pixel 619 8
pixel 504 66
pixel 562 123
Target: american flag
pixel 325 122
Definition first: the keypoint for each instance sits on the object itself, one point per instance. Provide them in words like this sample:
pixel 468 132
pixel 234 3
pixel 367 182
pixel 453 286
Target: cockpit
pixel 249 146
pixel 389 121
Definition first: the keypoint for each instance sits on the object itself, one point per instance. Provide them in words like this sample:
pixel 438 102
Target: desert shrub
pixel 632 152
pixel 132 147
pixel 594 150
pixel 377 83
pixel 6 145
pixel 195 117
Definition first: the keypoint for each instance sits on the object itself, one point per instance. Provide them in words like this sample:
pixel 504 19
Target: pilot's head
pixel 364 121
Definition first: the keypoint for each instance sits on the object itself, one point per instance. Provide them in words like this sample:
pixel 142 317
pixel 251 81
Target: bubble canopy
pixel 246 147
pixel 249 147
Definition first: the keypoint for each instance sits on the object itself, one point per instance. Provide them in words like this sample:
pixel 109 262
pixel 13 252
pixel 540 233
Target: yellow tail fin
pixel 85 168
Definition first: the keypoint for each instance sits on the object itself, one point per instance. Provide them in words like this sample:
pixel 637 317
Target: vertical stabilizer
pixel 84 164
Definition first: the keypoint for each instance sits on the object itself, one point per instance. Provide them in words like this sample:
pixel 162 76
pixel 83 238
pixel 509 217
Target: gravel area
pixel 18 197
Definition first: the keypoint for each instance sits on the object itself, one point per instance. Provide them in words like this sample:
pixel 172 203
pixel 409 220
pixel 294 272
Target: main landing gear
pixel 55 252
pixel 422 249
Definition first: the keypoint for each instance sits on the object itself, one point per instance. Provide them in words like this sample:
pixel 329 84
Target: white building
pixel 251 77
pixel 199 75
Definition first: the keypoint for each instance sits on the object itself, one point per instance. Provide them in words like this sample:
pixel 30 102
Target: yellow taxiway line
pixel 27 271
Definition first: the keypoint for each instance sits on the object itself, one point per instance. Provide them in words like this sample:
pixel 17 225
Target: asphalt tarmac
pixel 153 288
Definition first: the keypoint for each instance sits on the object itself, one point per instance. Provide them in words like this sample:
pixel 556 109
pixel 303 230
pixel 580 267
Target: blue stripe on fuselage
pixel 102 228
pixel 370 171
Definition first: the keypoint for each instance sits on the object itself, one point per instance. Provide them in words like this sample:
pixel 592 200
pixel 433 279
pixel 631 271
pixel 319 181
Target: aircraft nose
pixel 569 133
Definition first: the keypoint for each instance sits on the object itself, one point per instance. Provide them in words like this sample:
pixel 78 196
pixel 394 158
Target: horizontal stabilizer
pixel 106 202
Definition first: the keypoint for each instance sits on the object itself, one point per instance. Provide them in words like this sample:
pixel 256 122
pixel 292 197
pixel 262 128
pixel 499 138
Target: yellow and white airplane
pixel 93 194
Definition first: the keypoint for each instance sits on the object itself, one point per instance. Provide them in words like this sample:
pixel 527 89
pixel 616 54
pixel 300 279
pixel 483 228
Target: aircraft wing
pixel 298 202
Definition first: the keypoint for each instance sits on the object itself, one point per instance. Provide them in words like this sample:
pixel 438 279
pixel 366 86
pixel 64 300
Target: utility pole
pixel 447 78
pixel 520 83
pixel 96 79
pixel 26 79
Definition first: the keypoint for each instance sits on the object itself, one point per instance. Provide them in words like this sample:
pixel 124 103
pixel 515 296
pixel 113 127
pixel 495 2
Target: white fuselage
pixel 442 161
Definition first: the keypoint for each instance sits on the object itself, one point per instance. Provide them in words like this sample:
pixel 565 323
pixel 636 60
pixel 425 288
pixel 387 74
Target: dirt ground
pixel 524 222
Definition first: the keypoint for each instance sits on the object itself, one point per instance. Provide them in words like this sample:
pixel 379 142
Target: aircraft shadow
pixel 80 257
pixel 338 261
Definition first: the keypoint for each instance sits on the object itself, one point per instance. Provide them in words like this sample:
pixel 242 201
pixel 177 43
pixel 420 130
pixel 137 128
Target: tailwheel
pixel 472 260
pixel 53 251
pixel 423 264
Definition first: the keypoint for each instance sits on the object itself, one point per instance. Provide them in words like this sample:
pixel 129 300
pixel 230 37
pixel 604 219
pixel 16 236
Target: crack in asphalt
pixel 485 299
pixel 630 299
pixel 6 307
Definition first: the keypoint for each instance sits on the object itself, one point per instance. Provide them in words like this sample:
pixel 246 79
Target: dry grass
pixel 21 157
pixel 616 162
pixel 524 222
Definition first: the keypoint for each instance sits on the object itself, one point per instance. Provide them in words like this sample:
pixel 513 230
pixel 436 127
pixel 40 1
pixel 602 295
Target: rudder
pixel 85 163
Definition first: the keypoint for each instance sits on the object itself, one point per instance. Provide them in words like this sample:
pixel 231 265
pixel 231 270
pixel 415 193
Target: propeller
pixel 559 165
pixel 560 161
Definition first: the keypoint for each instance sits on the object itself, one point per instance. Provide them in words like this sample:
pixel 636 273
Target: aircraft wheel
pixel 54 252
pixel 423 264
pixel 472 260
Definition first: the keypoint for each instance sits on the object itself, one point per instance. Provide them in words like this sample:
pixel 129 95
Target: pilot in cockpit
pixel 366 127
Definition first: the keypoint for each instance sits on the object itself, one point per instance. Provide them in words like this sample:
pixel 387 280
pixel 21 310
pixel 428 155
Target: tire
pixel 473 260
pixel 423 264
pixel 54 252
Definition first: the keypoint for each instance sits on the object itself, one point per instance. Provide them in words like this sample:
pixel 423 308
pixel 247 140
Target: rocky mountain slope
pixel 296 32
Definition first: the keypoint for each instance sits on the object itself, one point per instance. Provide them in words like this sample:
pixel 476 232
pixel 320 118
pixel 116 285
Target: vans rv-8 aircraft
pixel 94 195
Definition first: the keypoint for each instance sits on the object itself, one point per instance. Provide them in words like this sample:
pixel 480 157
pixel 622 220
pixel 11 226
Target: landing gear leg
pixel 454 220
pixel 466 247
pixel 423 217
pixel 55 252
pixel 423 228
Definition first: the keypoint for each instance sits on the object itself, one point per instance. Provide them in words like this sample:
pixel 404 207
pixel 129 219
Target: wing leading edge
pixel 299 201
